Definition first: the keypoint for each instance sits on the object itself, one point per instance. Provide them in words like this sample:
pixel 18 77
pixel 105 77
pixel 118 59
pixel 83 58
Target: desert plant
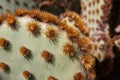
pixel 38 46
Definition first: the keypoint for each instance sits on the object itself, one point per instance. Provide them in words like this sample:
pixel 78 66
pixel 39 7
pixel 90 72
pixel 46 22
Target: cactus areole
pixel 34 46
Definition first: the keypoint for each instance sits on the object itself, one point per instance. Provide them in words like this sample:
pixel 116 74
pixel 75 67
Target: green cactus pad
pixel 36 48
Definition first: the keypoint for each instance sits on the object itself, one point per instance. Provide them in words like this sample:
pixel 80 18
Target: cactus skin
pixel 103 46
pixel 15 4
pixel 39 49
pixel 102 69
pixel 75 23
pixel 95 15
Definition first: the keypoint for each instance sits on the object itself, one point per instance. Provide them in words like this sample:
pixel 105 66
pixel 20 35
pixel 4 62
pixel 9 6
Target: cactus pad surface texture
pixel 95 14
pixel 38 46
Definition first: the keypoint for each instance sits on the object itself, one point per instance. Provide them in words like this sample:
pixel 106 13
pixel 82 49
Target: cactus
pixel 15 4
pixel 38 46
pixel 95 14
pixel 75 23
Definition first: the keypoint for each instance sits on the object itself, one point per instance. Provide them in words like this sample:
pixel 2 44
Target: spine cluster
pixel 44 47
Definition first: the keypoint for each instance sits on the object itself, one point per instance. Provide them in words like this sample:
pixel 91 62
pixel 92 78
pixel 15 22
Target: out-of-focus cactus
pixel 38 46
pixel 95 14
pixel 11 5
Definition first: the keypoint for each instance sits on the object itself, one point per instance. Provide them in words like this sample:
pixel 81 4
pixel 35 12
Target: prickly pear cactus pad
pixel 103 46
pixel 75 23
pixel 77 27
pixel 74 20
pixel 95 14
pixel 11 5
pixel 38 46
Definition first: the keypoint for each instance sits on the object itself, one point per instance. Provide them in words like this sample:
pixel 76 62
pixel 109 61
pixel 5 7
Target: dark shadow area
pixel 114 19
pixel 54 41
pixel 115 73
pixel 58 7
pixel 52 60
pixel 29 56
pixel 7 46
pixel 36 33
pixel 7 70
pixel 15 26
pixel 32 77
pixel 75 56
pixel 1 78
pixel 53 9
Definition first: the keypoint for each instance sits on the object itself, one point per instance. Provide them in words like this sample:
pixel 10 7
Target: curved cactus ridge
pixel 11 5
pixel 75 23
pixel 95 14
pixel 38 46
